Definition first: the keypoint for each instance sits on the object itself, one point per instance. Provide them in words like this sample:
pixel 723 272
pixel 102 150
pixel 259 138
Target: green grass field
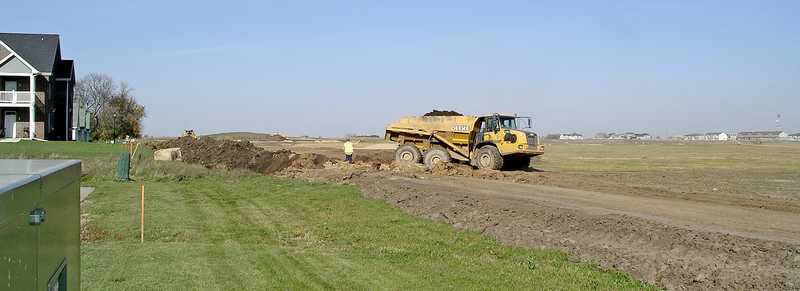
pixel 748 170
pixel 592 156
pixel 231 230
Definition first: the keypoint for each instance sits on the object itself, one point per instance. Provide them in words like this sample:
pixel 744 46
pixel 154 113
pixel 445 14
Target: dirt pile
pixel 374 156
pixel 228 154
pixel 443 113
pixel 463 170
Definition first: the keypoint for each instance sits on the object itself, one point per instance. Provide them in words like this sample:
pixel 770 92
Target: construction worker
pixel 348 151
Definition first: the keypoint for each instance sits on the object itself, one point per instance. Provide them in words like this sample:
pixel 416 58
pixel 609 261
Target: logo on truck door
pixel 461 127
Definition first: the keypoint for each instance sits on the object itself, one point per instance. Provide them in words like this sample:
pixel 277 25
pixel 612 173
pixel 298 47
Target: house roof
pixel 713 133
pixel 695 134
pixel 795 134
pixel 572 134
pixel 64 69
pixel 40 50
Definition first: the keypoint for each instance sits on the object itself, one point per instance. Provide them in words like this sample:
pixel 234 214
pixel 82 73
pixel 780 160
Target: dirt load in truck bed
pixel 442 113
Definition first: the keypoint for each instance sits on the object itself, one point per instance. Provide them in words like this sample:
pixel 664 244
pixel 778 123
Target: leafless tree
pixel 121 117
pixel 93 93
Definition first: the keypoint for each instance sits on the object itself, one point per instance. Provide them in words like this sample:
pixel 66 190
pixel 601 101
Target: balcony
pixel 15 98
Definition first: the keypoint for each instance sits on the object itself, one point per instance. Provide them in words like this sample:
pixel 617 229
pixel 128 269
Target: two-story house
pixel 36 84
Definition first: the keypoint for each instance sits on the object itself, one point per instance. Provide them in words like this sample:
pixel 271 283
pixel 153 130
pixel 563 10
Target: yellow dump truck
pixel 488 142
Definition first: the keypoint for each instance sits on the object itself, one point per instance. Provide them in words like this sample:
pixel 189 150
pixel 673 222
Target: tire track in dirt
pixel 656 243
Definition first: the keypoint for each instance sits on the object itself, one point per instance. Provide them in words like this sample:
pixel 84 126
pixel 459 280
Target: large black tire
pixel 434 156
pixel 407 153
pixel 517 163
pixel 489 158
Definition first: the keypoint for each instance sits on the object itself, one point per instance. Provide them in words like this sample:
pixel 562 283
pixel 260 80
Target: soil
pixel 228 154
pixel 442 113
pixel 675 243
pixel 680 242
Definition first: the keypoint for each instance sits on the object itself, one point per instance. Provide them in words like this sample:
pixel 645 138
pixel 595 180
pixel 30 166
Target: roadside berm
pixel 228 154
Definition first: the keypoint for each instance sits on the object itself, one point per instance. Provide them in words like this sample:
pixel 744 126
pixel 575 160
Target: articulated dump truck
pixel 487 142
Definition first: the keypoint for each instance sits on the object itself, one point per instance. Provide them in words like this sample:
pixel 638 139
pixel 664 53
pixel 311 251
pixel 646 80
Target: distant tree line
pixel 111 107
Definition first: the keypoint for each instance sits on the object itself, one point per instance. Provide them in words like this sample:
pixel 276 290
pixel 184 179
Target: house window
pixel 10 86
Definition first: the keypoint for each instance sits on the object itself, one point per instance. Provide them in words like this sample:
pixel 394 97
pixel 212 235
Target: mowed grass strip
pixel 231 230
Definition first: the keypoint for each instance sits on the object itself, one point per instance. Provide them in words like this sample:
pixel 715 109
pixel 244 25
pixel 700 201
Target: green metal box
pixel 39 225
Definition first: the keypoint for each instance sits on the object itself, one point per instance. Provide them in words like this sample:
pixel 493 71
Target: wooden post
pixel 141 234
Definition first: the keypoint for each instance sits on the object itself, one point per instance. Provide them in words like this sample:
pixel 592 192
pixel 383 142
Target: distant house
pixel 717 136
pixel 694 136
pixel 762 135
pixel 711 136
pixel 601 135
pixel 571 136
pixel 627 135
pixel 630 135
pixel 794 136
pixel 36 87
pixel 553 136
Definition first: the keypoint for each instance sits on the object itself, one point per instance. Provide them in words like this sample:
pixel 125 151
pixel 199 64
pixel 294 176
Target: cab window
pixel 491 124
pixel 510 123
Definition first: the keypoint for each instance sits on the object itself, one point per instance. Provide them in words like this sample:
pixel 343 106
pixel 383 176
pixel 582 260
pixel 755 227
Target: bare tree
pixel 93 93
pixel 121 116
pixel 113 111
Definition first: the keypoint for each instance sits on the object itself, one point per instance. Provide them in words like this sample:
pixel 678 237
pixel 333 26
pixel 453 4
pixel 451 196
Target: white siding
pixel 14 66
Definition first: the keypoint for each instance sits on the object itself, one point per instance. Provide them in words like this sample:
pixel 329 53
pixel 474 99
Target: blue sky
pixel 336 67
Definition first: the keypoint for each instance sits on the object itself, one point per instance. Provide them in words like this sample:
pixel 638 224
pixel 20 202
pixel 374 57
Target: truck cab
pixel 511 135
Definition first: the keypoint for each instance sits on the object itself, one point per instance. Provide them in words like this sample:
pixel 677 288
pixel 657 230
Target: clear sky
pixel 336 67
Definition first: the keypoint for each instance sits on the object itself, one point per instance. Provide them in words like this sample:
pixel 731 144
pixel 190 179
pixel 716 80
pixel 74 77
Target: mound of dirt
pixel 443 113
pixel 227 154
pixel 462 170
pixel 374 156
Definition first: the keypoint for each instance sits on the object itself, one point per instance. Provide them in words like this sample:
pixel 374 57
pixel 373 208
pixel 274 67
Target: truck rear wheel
pixel 407 153
pixel 489 158
pixel 434 156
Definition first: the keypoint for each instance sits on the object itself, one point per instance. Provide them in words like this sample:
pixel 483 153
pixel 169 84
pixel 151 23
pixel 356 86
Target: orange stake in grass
pixel 141 234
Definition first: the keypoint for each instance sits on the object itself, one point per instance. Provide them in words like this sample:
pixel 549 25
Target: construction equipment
pixel 189 133
pixel 488 142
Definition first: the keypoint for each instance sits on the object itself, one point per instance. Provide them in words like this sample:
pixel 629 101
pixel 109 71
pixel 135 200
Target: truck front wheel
pixel 407 153
pixel 489 158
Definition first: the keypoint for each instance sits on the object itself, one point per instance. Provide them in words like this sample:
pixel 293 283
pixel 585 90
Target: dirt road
pixel 741 221
pixel 675 243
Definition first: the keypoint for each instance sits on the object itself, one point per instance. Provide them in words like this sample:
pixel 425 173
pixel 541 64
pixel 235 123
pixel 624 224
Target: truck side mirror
pixel 529 123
